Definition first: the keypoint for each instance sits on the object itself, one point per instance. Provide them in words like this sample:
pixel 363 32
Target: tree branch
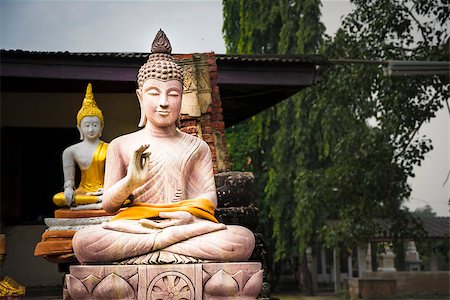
pixel 416 129
pixel 446 179
pixel 403 48
pixel 422 28
pixel 448 107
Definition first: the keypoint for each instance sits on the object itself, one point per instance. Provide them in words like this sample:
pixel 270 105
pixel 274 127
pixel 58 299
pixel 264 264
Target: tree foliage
pixel 264 26
pixel 283 27
pixel 424 212
pixel 344 148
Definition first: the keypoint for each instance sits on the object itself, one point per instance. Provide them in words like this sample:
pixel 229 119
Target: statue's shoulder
pixel 200 144
pixel 122 145
pixel 125 139
pixel 72 149
pixel 104 144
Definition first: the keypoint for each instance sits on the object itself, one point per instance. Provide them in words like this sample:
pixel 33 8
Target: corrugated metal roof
pixel 85 54
pixel 436 226
pixel 81 57
pixel 314 59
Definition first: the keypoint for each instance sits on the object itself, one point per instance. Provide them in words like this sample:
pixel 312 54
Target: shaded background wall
pixel 35 128
pixel 121 111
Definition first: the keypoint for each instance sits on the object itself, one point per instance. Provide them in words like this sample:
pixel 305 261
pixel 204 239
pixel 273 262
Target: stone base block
pixel 174 281
pixel 377 288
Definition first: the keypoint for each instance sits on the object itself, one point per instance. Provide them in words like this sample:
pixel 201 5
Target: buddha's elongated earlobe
pixel 143 118
pixel 81 133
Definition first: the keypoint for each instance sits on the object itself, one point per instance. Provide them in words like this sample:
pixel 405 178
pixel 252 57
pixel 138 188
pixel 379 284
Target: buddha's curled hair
pixel 160 64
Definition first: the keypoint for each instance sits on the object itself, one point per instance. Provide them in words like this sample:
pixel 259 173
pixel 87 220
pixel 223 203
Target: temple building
pixel 41 92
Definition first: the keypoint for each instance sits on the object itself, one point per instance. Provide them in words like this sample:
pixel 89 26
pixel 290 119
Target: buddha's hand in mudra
pixel 139 166
pixel 168 219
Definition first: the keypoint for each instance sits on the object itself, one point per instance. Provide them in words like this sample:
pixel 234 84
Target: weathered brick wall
pixel 209 126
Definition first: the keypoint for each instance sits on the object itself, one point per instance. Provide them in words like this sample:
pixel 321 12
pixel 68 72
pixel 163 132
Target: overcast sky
pixel 122 26
pixel 192 26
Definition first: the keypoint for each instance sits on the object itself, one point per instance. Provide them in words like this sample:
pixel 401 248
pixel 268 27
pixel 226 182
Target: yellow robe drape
pixel 91 179
pixel 202 208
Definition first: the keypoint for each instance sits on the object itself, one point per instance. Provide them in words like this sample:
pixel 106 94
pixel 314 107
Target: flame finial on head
pixel 89 107
pixel 160 64
pixel 161 43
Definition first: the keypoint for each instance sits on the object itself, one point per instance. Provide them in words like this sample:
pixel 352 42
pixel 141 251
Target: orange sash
pixel 202 208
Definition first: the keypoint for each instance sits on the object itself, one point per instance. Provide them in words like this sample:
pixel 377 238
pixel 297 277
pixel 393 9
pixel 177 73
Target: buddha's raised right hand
pixel 139 166
pixel 138 171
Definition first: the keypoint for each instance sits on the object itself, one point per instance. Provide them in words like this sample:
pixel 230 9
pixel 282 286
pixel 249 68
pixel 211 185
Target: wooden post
pixel 362 263
pixel 349 266
pixel 336 269
pixel 434 265
pixel 369 265
pixel 312 266
pixel 323 259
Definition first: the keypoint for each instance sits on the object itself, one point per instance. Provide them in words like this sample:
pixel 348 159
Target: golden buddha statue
pixel 89 155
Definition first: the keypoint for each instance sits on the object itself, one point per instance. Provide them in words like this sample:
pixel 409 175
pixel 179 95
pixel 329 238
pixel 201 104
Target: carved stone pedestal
pixel 175 281
pixel 387 262
pixel 412 259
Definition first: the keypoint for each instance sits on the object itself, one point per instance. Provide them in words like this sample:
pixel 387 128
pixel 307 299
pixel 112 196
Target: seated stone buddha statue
pixel 89 155
pixel 168 176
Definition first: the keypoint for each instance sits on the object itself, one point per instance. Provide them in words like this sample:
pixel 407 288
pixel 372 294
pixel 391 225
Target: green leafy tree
pixel 285 27
pixel 424 212
pixel 343 149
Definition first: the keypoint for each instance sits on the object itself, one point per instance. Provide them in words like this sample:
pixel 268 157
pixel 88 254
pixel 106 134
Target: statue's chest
pixel 84 156
pixel 170 168
pixel 168 161
pixel 167 179
pixel 170 155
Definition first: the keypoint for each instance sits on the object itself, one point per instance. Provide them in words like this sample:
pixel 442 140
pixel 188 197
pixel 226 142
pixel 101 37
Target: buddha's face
pixel 160 101
pixel 90 127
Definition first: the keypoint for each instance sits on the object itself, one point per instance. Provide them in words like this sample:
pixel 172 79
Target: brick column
pixel 209 125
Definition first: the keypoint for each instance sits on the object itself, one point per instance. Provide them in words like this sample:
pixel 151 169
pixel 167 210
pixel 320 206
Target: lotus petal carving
pixel 221 284
pixel 254 285
pixel 114 287
pixel 134 281
pixel 76 288
pixel 205 277
pixel 90 282
pixel 241 278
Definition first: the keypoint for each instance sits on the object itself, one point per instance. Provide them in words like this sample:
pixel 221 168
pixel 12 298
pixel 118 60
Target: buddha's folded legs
pixel 95 244
pixel 235 243
pixel 209 241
